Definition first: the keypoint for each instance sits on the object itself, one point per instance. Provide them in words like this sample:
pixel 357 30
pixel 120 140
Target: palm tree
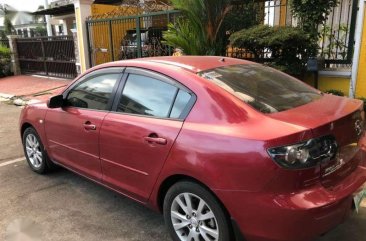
pixel 199 32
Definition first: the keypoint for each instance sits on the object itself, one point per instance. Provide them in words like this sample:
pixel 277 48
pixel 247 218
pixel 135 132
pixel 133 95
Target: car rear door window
pixel 93 93
pixel 180 104
pixel 148 96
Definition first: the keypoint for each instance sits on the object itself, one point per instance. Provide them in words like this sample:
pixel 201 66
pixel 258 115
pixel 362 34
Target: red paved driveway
pixel 31 87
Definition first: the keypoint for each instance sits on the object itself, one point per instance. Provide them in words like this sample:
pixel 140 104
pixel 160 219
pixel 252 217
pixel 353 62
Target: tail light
pixel 306 154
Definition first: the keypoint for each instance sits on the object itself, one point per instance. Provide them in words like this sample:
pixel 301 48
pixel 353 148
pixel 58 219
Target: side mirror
pixel 55 101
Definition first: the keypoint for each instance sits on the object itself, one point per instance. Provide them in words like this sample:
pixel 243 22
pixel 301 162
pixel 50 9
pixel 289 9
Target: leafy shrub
pixel 187 37
pixel 4 51
pixel 335 92
pixel 5 57
pixel 40 31
pixel 336 39
pixel 2 34
pixel 311 14
pixel 205 25
pixel 200 26
pixel 244 14
pixel 289 46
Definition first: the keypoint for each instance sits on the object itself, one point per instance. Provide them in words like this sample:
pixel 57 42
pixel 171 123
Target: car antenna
pixel 222 59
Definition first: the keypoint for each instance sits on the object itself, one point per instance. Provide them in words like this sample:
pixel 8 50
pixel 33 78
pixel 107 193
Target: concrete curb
pixel 18 101
pixel 6 96
pixel 21 102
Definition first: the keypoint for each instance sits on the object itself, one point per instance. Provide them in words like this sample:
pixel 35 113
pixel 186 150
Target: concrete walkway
pixel 24 88
pixel 10 141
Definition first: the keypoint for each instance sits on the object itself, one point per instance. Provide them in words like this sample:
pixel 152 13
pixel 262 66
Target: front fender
pixel 34 115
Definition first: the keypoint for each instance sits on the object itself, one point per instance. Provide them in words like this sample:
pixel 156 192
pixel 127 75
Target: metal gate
pixel 128 37
pixel 51 56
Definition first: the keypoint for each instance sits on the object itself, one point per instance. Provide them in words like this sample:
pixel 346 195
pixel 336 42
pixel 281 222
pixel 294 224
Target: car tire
pixel 35 153
pixel 204 217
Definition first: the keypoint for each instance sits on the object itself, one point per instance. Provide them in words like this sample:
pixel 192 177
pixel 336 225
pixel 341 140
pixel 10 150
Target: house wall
pixel 331 80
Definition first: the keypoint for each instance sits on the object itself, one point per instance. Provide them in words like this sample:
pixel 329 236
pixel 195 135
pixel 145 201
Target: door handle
pixel 89 126
pixel 157 140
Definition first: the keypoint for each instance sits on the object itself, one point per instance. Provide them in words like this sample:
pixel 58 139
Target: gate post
pixel 76 50
pixel 44 57
pixel 82 11
pixel 138 39
pixel 14 54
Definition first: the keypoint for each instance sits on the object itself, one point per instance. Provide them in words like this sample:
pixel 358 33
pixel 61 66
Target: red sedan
pixel 225 148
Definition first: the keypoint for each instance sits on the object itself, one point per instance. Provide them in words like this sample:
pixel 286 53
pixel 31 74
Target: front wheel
pixel 192 213
pixel 35 153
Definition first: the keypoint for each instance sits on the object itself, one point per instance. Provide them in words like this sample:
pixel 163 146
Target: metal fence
pixel 4 42
pixel 337 34
pixel 128 37
pixel 51 56
pixel 125 37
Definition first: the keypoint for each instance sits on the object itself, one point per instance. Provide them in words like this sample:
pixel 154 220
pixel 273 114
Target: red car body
pixel 222 144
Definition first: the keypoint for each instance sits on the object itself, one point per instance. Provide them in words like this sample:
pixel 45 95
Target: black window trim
pixel 173 102
pixel 158 76
pixel 93 74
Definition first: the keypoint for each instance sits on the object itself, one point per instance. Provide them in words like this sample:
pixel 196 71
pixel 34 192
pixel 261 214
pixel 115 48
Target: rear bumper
pixel 296 216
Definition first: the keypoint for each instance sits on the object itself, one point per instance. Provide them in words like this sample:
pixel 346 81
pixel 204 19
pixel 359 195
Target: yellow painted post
pixel 283 12
pixel 82 11
pixel 361 75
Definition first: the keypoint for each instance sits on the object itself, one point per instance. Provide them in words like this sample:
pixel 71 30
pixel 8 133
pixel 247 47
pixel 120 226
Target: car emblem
pixel 358 127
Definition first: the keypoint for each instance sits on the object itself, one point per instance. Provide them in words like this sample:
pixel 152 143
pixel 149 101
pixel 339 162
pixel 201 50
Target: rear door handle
pixel 89 126
pixel 157 140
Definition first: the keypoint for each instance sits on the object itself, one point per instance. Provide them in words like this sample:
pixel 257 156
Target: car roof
pixel 193 64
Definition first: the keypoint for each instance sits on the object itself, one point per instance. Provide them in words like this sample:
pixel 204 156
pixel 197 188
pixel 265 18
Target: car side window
pixel 94 92
pixel 144 95
pixel 180 104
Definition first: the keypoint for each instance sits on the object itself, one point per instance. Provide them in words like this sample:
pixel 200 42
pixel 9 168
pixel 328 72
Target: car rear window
pixel 264 88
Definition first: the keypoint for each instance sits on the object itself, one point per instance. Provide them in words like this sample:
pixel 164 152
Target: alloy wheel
pixel 33 150
pixel 193 219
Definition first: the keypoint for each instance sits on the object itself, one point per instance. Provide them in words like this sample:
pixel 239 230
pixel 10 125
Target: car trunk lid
pixel 336 116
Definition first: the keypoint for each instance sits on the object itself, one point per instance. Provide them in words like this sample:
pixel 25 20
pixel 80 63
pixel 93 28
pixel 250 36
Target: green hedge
pixel 5 60
pixel 335 92
pixel 290 46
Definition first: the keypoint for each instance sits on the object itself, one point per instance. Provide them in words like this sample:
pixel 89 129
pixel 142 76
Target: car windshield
pixel 264 88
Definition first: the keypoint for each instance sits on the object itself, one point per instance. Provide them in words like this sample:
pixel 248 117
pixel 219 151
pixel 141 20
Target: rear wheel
pixel 35 153
pixel 192 213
